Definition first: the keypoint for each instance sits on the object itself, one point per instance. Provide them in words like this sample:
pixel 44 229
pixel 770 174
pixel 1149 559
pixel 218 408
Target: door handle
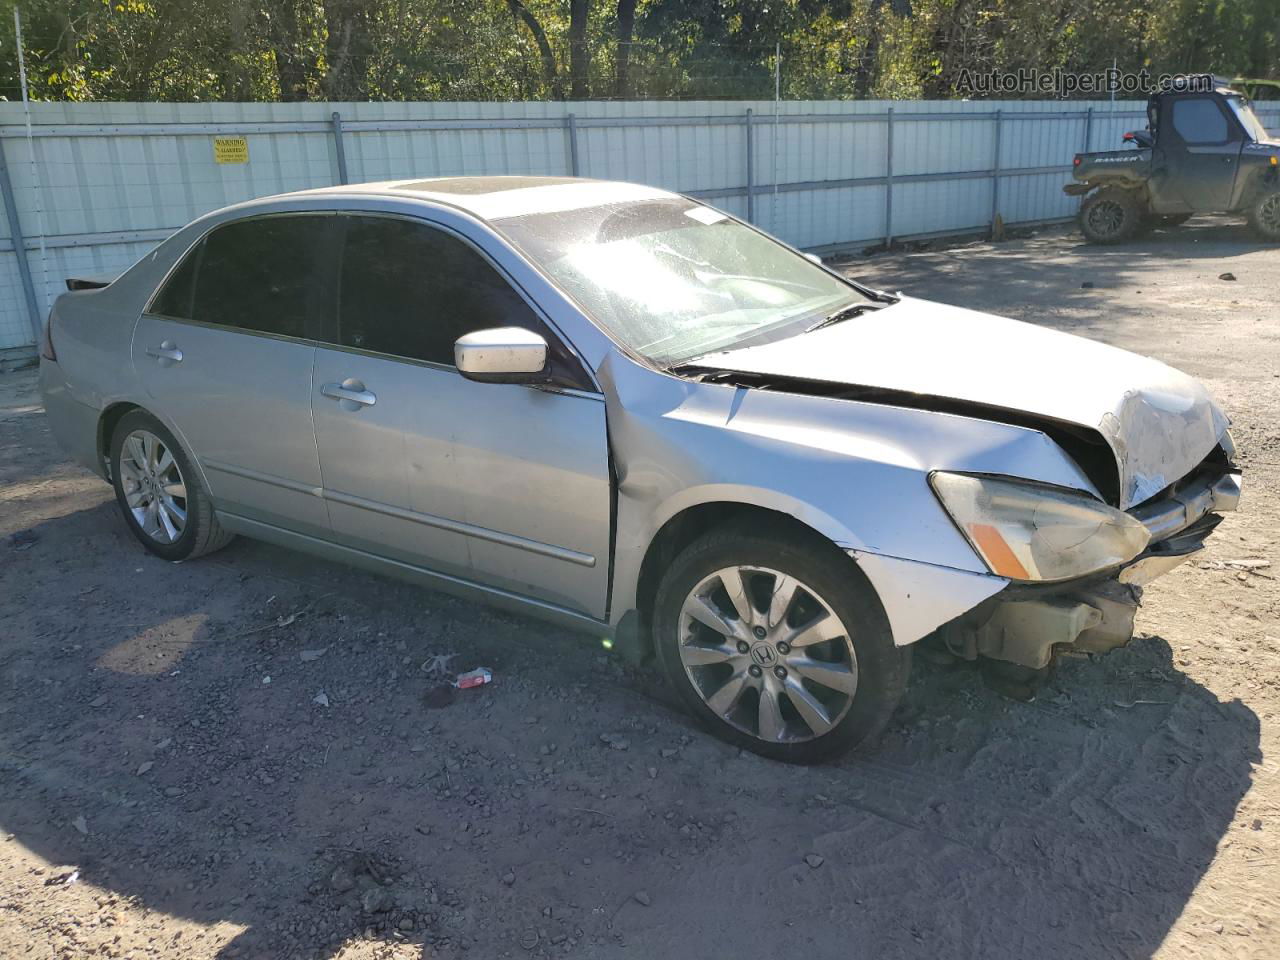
pixel 168 350
pixel 350 391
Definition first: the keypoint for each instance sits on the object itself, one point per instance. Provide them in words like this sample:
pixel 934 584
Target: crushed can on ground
pixel 473 678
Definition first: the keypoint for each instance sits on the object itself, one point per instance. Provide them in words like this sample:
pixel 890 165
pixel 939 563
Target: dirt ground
pixel 173 784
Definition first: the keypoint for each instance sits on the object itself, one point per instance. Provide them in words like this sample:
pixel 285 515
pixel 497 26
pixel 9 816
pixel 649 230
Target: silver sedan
pixel 618 408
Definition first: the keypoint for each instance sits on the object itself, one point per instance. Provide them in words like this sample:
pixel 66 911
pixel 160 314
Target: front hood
pixel 1158 422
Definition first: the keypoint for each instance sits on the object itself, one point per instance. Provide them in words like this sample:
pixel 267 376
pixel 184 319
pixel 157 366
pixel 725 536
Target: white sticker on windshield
pixel 705 215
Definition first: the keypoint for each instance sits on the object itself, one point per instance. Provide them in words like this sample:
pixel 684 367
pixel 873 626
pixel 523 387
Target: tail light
pixel 46 341
pixel 1075 161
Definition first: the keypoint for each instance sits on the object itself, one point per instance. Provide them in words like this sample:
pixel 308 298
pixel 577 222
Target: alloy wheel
pixel 767 654
pixel 1106 217
pixel 154 488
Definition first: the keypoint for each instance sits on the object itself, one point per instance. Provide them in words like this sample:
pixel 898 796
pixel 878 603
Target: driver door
pixel 498 484
pixel 1202 147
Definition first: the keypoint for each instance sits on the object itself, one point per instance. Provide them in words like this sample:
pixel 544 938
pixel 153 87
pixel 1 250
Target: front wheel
pixel 1264 216
pixel 777 643
pixel 1111 215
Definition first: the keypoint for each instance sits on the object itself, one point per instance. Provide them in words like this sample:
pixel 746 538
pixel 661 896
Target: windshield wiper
pixel 844 313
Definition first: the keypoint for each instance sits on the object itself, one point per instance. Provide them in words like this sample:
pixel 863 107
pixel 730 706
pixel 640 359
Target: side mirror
pixel 502 355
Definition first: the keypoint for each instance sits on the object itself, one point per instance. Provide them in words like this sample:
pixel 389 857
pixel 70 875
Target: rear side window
pixel 1199 121
pixel 266 274
pixel 410 290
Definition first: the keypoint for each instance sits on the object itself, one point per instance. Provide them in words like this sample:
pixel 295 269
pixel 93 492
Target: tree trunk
pixel 236 84
pixel 579 52
pixel 626 28
pixel 282 34
pixel 549 74
pixel 346 50
pixel 865 75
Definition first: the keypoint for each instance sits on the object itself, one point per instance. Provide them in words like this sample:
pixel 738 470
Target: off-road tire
pixel 1112 215
pixel 1264 216
pixel 201 532
pixel 882 668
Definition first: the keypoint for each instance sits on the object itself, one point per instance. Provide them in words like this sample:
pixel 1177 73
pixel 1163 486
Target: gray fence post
pixel 571 131
pixel 339 150
pixel 995 176
pixel 888 179
pixel 1088 129
pixel 751 171
pixel 20 247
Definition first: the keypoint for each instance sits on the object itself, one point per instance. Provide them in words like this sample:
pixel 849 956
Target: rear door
pixel 1201 146
pixel 225 353
pixel 500 484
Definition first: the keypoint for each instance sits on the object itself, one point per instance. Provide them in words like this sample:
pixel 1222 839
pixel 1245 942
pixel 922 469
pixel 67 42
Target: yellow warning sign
pixel 230 150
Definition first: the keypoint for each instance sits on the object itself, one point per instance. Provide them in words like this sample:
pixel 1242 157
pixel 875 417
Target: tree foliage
pixel 546 49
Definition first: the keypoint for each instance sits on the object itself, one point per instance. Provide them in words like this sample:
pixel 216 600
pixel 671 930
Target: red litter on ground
pixel 473 678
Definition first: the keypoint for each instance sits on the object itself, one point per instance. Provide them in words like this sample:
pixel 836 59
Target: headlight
pixel 1025 531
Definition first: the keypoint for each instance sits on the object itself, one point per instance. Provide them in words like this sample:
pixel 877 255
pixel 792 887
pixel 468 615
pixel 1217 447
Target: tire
pixel 1111 215
pixel 725 678
pixel 1264 216
pixel 159 491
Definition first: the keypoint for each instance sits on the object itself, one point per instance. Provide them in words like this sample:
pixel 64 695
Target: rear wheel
pixel 159 491
pixel 777 643
pixel 1264 216
pixel 1111 215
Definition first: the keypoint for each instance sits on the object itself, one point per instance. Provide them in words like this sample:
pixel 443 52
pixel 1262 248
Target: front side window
pixel 1199 121
pixel 410 290
pixel 265 274
pixel 674 280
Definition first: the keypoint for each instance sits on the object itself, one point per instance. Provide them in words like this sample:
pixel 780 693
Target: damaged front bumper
pixel 1027 623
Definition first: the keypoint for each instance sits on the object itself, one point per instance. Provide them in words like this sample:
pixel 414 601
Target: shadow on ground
pixel 500 823
pixel 1015 279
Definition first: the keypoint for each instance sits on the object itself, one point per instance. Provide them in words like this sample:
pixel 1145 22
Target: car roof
pixel 497 198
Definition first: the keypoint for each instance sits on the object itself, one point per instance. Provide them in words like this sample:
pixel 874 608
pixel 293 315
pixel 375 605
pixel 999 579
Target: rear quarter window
pixel 174 298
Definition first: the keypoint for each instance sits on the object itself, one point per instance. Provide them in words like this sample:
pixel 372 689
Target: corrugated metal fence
pixel 93 187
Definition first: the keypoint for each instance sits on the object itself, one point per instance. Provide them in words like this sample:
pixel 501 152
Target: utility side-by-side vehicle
pixel 1202 152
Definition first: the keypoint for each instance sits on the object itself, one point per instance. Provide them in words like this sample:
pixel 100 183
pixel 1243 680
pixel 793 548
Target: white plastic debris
pixel 437 665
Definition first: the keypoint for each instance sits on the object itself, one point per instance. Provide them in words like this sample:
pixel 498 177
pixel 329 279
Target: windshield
pixel 1248 119
pixel 673 280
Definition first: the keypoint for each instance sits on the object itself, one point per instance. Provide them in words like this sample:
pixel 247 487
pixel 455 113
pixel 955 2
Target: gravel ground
pixel 173 782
